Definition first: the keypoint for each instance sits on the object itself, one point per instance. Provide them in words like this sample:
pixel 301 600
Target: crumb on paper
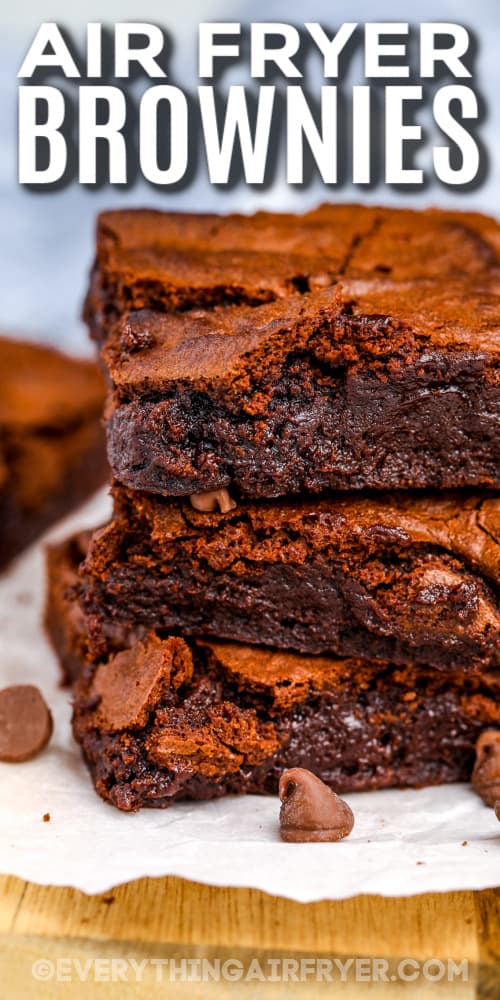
pixel 46 817
pixel 24 598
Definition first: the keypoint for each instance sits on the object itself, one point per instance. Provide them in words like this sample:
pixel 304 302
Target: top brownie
pixel 352 347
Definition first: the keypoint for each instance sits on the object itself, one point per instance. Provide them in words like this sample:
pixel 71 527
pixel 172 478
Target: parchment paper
pixel 403 842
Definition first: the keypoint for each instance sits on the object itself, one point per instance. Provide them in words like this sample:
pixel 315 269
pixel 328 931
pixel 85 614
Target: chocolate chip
pixel 25 723
pixel 486 773
pixel 207 502
pixel 46 817
pixel 310 811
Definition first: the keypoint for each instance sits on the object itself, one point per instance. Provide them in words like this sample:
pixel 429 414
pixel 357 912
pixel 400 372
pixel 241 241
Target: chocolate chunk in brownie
pixel 348 348
pixel 401 577
pixel 52 451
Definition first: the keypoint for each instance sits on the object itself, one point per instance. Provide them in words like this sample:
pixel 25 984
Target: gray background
pixel 46 248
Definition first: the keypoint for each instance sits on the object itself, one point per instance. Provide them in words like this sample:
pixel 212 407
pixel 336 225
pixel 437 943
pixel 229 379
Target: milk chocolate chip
pixel 207 502
pixel 486 773
pixel 310 811
pixel 25 723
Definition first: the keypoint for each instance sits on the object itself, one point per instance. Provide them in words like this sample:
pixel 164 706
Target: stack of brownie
pixel 302 567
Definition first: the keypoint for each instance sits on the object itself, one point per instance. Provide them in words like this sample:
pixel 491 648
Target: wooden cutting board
pixel 158 921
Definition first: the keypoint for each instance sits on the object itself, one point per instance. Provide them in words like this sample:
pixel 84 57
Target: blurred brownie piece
pixel 52 450
pixel 161 719
pixel 349 348
pixel 410 578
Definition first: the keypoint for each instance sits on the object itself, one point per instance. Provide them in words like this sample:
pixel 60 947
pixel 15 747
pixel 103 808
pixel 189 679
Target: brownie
pixel 52 449
pixel 402 577
pixel 161 719
pixel 349 348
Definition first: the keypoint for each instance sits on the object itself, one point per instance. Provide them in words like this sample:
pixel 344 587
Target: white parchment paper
pixel 403 842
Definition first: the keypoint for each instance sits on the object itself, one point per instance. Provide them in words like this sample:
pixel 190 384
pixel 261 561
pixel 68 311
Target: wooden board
pixel 158 921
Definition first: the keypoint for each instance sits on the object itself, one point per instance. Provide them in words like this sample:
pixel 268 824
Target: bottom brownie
pixel 162 719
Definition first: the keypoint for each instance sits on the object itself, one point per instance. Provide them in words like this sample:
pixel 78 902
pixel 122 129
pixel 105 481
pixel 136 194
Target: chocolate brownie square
pixel 349 348
pixel 404 578
pixel 52 449
pixel 161 719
